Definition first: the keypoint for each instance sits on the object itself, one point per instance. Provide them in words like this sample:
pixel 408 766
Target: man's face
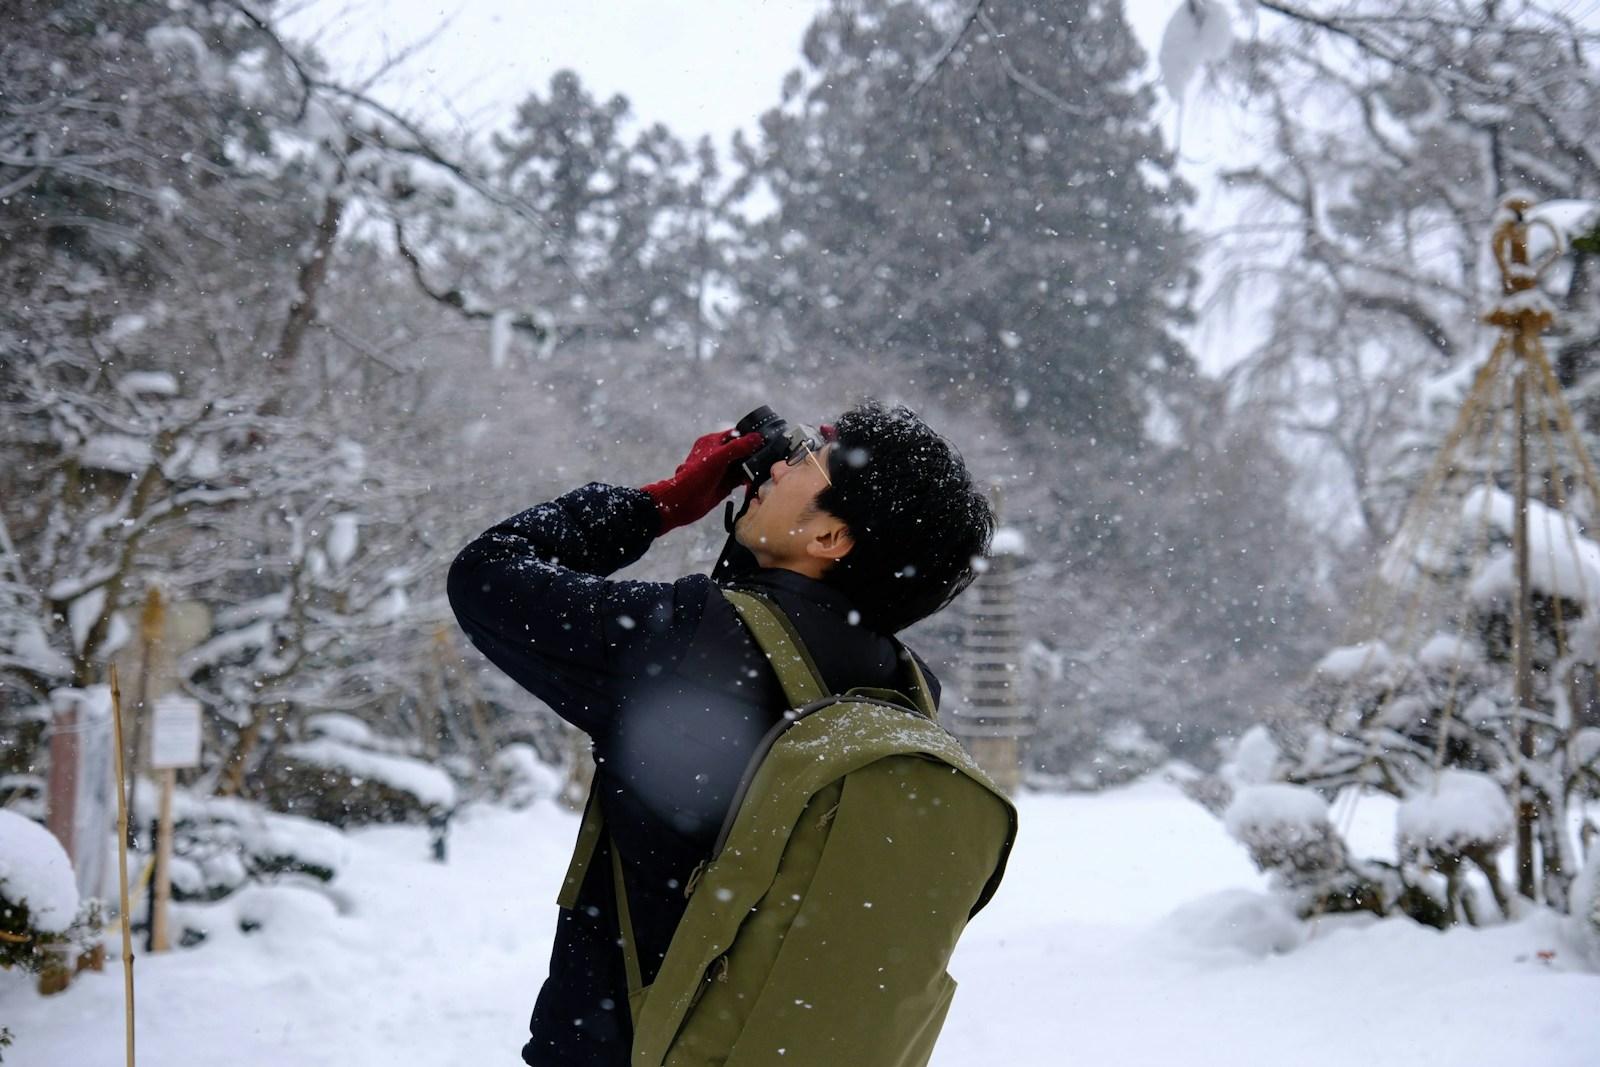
pixel 783 517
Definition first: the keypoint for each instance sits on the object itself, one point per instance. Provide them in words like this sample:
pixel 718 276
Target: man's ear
pixel 832 544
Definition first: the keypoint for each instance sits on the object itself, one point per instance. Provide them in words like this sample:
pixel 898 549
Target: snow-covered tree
pixel 177 179
pixel 1380 136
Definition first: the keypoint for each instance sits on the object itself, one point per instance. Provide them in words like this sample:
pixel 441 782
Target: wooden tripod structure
pixel 1550 480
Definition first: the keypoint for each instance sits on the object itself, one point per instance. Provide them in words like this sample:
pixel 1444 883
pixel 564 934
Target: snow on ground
pixel 1129 931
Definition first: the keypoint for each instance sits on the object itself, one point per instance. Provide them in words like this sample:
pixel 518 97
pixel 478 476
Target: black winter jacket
pixel 674 694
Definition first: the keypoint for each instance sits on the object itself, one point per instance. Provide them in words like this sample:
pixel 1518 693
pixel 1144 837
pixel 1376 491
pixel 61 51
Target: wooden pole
pixel 163 877
pixel 1522 615
pixel 1523 320
pixel 122 860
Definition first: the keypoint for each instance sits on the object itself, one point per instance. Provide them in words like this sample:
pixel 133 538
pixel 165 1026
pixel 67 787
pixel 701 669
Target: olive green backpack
pixel 862 839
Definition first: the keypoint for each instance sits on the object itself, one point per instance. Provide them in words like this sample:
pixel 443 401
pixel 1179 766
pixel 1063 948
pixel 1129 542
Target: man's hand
pixel 704 479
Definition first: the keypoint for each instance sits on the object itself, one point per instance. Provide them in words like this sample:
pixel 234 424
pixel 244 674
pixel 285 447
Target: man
pixel 855 534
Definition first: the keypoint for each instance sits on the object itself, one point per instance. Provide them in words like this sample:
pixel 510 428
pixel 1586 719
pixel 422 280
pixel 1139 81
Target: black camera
pixel 779 440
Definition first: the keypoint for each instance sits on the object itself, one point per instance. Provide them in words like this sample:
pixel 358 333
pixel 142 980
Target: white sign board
pixel 175 733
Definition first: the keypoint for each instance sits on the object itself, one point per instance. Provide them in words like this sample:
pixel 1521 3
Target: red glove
pixel 705 479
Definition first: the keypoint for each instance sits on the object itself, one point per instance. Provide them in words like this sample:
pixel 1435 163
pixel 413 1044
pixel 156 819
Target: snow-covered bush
pixel 1437 720
pixel 1289 835
pixel 40 913
pixel 345 775
pixel 220 845
pixel 522 778
pixel 1464 818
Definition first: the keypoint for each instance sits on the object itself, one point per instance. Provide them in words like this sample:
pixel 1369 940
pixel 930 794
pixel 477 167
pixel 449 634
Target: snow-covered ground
pixel 1130 930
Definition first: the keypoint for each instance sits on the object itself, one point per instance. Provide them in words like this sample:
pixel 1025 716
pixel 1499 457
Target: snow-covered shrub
pixel 40 913
pixel 1435 720
pixel 1464 818
pixel 1289 835
pixel 220 845
pixel 339 776
pixel 522 778
pixel 1254 760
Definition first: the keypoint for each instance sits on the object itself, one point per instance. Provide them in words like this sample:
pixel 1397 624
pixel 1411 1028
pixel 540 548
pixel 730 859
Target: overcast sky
pixel 699 66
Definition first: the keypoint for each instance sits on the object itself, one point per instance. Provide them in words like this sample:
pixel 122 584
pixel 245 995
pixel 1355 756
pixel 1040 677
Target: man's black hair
pixel 918 525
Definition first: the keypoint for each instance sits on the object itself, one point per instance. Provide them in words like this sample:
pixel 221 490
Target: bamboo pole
pixel 1522 616
pixel 122 861
pixel 1522 321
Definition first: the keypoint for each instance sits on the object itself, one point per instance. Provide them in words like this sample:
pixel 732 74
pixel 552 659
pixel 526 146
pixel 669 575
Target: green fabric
pixel 780 919
pixel 819 933
pixel 797 672
pixel 589 832
pixel 630 950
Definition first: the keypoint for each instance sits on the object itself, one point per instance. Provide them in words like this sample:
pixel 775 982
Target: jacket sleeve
pixel 533 596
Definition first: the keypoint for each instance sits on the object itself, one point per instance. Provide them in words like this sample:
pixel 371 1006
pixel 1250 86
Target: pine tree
pixel 982 193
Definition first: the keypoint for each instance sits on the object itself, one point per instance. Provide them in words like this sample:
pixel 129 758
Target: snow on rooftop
pixel 34 870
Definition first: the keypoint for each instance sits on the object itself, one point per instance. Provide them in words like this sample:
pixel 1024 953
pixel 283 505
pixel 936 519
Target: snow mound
pixel 1255 924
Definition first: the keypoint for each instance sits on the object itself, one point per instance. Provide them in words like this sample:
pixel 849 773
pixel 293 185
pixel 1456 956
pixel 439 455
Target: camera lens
pixel 758 420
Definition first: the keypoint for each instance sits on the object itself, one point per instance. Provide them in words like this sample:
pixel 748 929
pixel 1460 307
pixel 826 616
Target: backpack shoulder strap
pixel 797 672
pixel 775 635
pixel 590 833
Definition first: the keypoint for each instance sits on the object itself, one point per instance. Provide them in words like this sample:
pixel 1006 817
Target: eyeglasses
pixel 810 444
